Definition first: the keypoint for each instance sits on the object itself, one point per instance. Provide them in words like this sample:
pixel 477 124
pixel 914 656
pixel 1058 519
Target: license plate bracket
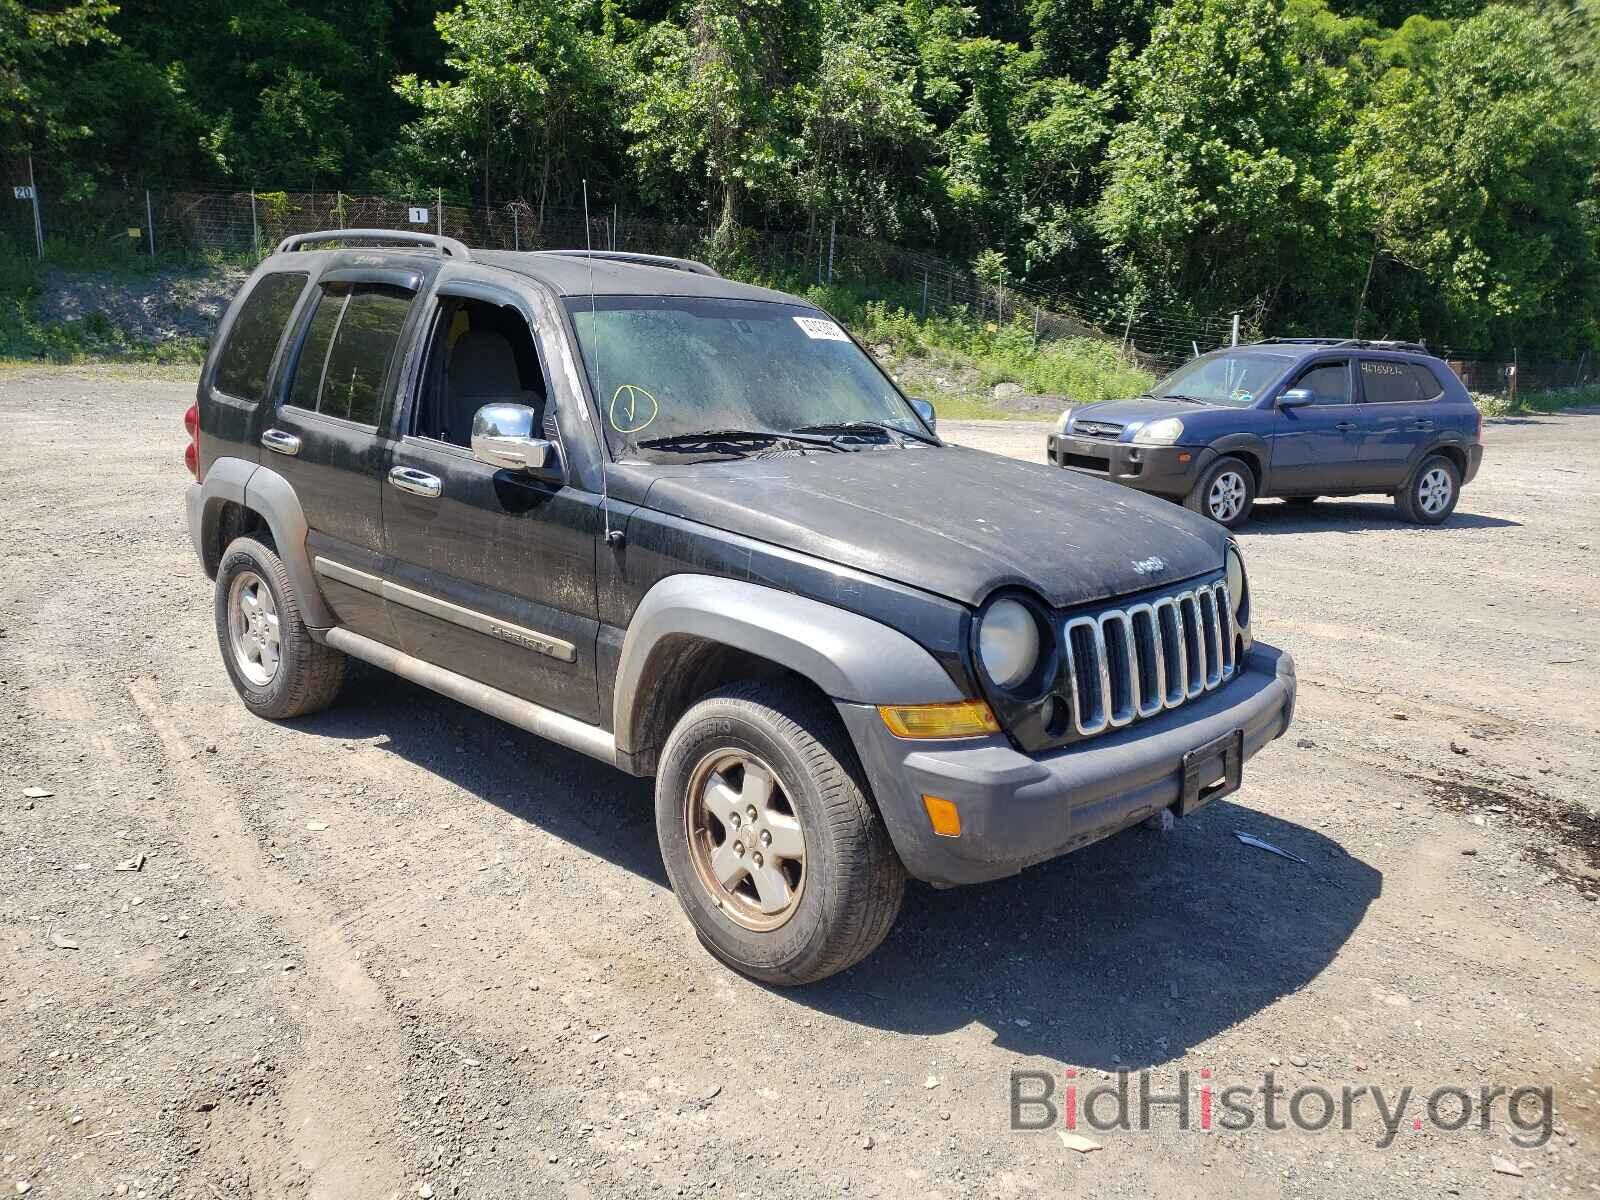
pixel 1212 771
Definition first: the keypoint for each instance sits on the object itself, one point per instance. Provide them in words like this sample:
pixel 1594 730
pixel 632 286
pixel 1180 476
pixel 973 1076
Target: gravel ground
pixel 402 949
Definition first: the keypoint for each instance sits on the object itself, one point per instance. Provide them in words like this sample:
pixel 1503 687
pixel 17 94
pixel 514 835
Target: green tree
pixel 529 106
pixel 1478 180
pixel 1218 182
pixel 867 143
pixel 717 103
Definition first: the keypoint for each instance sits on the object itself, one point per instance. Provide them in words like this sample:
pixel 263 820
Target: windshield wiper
pixel 1180 396
pixel 846 428
pixel 709 437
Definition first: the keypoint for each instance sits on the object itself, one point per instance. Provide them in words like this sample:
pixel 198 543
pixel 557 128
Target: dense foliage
pixel 1389 167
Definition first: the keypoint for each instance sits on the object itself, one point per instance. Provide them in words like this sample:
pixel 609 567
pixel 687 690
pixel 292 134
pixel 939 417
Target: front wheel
pixel 1225 493
pixel 1431 495
pixel 772 844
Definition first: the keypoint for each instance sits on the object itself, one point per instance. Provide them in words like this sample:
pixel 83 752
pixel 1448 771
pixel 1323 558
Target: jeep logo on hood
pixel 1153 565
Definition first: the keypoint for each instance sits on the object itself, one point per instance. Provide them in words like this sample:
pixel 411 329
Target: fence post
pixel 255 227
pixel 438 204
pixel 924 293
pixel 1235 329
pixel 833 225
pixel 516 229
pixel 1513 375
pixel 338 208
pixel 150 221
pixel 38 225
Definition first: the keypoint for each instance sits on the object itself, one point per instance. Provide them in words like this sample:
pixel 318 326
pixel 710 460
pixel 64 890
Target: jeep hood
pixel 949 520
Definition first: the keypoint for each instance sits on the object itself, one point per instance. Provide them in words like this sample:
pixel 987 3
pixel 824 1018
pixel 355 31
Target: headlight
pixel 1064 421
pixel 1159 433
pixel 1008 643
pixel 1237 587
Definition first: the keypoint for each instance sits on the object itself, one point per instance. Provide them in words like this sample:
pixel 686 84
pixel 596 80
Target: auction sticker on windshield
pixel 821 330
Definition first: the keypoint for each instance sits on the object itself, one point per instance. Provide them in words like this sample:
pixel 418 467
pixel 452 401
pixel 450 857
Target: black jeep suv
pixel 689 527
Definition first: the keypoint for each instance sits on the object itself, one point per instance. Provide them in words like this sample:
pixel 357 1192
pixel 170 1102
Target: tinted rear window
pixel 1387 382
pixel 345 357
pixel 247 357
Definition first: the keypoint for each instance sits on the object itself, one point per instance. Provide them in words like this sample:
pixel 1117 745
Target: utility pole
pixel 38 225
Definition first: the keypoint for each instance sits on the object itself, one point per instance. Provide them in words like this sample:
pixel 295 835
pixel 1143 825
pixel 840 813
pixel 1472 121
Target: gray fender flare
pixel 270 494
pixel 225 481
pixel 848 656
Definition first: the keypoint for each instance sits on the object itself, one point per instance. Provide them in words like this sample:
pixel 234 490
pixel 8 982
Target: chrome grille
pixel 1138 661
pixel 1097 429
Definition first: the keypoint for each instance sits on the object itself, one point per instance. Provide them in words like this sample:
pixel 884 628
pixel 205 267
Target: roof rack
pixel 447 246
pixel 648 260
pixel 1344 343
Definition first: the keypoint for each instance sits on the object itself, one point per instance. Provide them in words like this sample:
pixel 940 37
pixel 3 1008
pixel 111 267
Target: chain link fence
pixel 195 226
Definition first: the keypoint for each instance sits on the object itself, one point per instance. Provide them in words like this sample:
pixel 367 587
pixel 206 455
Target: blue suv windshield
pixel 1232 378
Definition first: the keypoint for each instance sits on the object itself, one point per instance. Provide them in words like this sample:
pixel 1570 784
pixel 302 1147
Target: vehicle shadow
pixel 1122 955
pixel 1351 516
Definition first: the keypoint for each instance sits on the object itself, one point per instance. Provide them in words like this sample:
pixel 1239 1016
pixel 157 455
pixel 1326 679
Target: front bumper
pixel 1018 809
pixel 1164 470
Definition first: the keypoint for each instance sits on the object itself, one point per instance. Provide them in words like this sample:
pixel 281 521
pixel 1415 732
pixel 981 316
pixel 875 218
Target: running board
pixel 524 714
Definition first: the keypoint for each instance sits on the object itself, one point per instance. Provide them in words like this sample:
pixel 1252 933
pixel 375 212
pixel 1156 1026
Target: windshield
pixel 663 367
pixel 1225 377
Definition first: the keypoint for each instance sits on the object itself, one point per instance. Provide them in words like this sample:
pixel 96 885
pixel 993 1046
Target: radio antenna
pixel 613 536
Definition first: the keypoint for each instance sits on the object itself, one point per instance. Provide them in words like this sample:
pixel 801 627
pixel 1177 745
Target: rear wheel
pixel 275 666
pixel 774 849
pixel 1431 495
pixel 1225 492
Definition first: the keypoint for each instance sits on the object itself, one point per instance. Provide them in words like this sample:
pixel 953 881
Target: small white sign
pixel 419 216
pixel 22 191
pixel 821 330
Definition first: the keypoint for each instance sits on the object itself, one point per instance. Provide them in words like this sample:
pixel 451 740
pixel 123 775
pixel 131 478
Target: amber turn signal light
pixel 943 816
pixel 958 719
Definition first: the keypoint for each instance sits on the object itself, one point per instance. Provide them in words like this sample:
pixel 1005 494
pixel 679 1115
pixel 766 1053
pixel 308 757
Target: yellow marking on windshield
pixel 632 409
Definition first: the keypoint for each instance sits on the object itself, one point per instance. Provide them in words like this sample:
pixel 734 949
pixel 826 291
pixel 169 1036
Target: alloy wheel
pixel 253 628
pixel 745 840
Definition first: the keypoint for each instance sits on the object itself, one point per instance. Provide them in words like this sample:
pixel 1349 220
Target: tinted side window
pixel 1384 382
pixel 345 356
pixel 314 347
pixel 1329 383
pixel 246 359
pixel 1432 389
pixel 358 363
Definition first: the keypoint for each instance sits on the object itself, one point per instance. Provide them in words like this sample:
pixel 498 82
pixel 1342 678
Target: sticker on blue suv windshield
pixel 821 330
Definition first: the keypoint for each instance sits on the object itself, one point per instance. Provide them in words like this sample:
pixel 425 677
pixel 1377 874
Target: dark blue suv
pixel 1297 418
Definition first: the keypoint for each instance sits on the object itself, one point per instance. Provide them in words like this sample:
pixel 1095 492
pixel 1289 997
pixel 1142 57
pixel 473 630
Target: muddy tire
pixel 1225 493
pixel 770 838
pixel 276 668
pixel 1430 497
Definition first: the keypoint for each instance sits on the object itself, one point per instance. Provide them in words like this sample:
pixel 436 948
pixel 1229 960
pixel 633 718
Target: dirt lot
pixel 401 949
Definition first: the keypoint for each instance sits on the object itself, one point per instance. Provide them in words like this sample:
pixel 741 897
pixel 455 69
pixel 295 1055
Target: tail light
pixel 191 452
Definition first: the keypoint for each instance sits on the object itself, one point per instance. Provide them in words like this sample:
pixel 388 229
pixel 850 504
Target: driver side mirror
pixel 925 411
pixel 503 436
pixel 1297 398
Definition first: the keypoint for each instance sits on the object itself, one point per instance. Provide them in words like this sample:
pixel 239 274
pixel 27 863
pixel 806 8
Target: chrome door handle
pixel 418 483
pixel 1345 426
pixel 280 442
